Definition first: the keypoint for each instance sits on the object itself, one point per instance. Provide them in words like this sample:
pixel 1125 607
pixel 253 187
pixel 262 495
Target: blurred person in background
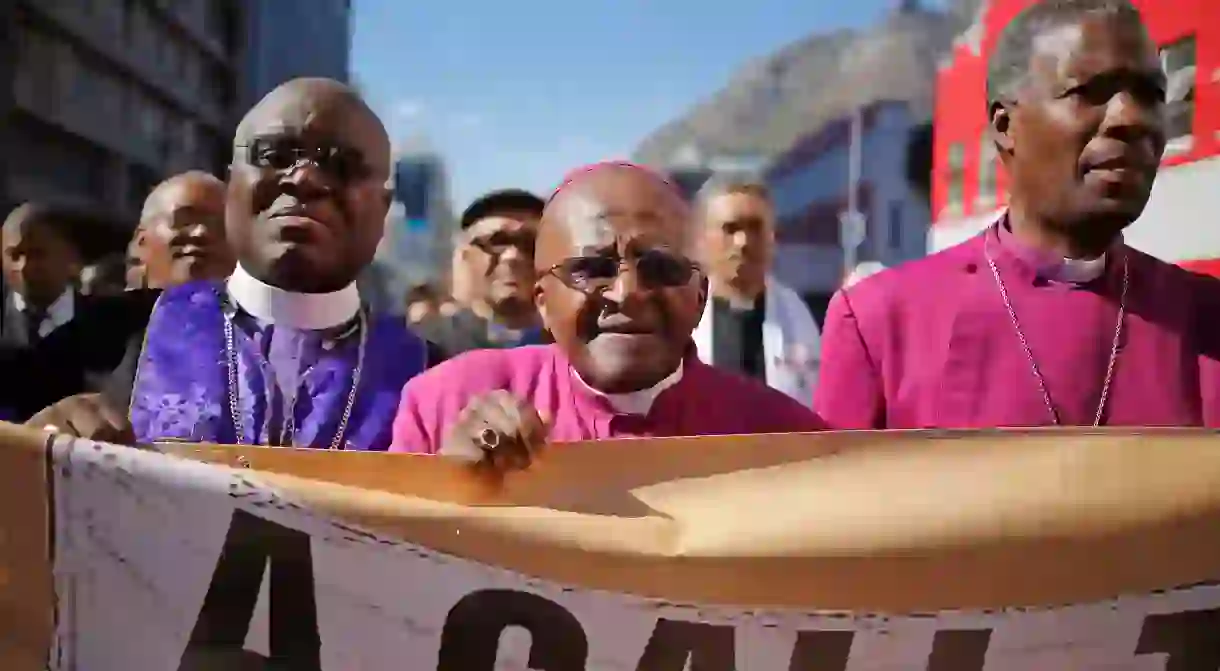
pixel 135 275
pixel 302 362
pixel 1047 317
pixel 41 269
pixel 621 293
pixel 753 324
pixel 422 303
pixel 105 277
pixel 53 339
pixel 493 276
pixel 181 233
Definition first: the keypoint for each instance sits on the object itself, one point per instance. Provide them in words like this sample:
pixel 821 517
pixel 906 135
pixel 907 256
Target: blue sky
pixel 515 93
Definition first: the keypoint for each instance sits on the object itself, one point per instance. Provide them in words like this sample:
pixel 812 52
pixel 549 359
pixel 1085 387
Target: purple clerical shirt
pixel 705 401
pixel 931 344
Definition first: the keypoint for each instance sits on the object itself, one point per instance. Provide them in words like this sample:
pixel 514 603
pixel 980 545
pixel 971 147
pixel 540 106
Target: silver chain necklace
pixel 1029 354
pixel 336 443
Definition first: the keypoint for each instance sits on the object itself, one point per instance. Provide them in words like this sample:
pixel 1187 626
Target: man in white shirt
pixel 55 341
pixel 40 263
pixel 753 324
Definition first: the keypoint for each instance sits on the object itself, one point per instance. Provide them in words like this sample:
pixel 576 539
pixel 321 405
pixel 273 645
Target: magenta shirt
pixel 929 344
pixel 705 402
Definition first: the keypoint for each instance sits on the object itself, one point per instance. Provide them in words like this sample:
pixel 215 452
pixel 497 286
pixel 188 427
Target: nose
pixel 740 239
pixel 305 179
pixel 625 284
pixel 512 254
pixel 195 230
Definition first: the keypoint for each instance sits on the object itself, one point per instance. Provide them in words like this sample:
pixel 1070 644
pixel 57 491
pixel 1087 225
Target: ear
pixel 387 199
pixel 540 302
pixel 1000 118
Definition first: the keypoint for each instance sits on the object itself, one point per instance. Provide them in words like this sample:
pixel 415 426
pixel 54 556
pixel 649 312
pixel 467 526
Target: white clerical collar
pixel 1079 271
pixel 308 312
pixel 60 312
pixel 636 402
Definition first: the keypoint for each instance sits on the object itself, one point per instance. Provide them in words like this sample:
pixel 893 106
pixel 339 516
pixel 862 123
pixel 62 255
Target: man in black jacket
pixel 55 342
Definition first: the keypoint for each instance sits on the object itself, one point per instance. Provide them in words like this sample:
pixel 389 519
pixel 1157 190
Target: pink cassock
pixel 931 344
pixel 704 402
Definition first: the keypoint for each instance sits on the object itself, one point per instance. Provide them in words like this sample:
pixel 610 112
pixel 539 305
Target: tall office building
pixel 102 99
pixel 299 38
pixel 109 96
pixel 418 243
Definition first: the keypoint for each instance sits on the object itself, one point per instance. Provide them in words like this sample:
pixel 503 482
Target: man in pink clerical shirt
pixel 1047 317
pixel 620 293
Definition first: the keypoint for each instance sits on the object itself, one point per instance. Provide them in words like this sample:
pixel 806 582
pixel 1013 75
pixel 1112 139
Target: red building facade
pixel 1180 222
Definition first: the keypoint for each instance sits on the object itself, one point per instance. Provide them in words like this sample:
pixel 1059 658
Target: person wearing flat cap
pixel 493 277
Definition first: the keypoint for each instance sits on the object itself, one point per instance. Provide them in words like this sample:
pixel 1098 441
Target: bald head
pixel 181 232
pixel 598 205
pixel 179 187
pixel 618 289
pixel 307 191
pixel 300 103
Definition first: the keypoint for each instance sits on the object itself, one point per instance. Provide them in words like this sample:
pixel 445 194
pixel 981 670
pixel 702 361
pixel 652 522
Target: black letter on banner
pixel 710 647
pixel 228 608
pixel 821 651
pixel 470 639
pixel 964 650
pixel 1191 639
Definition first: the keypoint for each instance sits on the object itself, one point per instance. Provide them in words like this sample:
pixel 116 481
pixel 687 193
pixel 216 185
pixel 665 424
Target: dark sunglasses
pixel 499 243
pixel 653 269
pixel 284 153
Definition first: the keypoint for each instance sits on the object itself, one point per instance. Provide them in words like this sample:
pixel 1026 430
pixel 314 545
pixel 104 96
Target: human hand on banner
pixel 498 432
pixel 86 416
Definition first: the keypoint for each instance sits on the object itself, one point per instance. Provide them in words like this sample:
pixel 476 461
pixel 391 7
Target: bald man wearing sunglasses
pixel 621 293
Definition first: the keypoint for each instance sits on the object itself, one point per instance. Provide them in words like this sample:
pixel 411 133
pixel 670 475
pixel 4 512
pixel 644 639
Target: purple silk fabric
pixel 182 389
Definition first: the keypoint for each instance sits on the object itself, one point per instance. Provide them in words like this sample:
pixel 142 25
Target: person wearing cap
pixel 493 276
pixel 621 289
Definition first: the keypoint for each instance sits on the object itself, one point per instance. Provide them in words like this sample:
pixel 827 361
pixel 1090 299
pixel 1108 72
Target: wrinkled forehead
pixel 37 228
pixel 1094 45
pixel 615 210
pixel 196 194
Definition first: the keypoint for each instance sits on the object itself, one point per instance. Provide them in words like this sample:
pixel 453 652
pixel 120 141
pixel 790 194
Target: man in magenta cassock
pixel 620 290
pixel 1047 317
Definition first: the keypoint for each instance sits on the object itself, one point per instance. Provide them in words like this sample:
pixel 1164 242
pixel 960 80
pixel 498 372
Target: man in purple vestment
pixel 621 294
pixel 1047 317
pixel 282 353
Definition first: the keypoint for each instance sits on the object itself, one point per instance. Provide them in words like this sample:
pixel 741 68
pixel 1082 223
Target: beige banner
pixel 863 522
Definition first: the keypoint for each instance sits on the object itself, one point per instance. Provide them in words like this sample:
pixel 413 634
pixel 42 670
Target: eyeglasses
pixel 344 164
pixel 654 270
pixel 499 243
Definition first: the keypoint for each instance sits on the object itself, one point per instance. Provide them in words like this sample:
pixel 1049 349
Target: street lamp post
pixel 853 228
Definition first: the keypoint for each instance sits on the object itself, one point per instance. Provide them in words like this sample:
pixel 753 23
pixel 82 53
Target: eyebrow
pixel 617 213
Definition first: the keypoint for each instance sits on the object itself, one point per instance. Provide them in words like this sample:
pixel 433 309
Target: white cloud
pixel 468 121
pixel 409 110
